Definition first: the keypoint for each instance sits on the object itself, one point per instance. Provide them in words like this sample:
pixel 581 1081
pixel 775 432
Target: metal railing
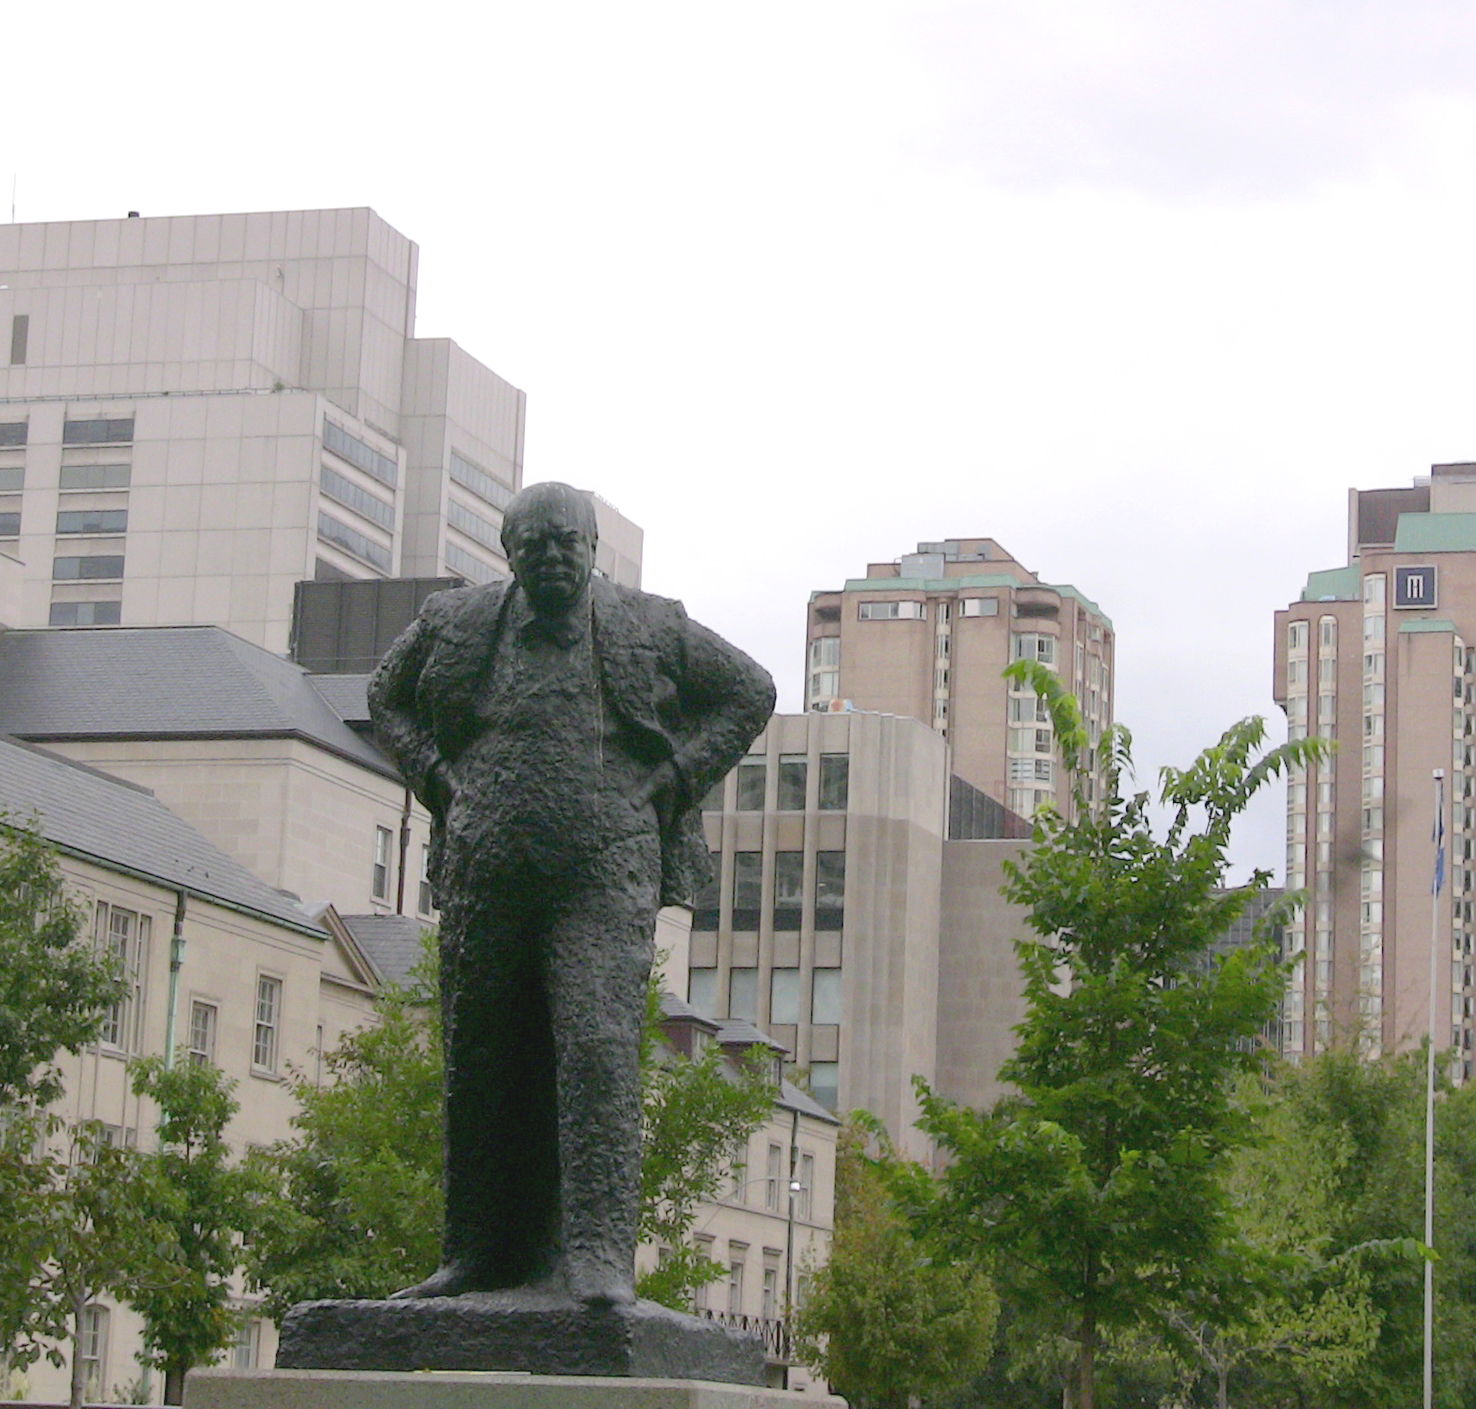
pixel 772 1330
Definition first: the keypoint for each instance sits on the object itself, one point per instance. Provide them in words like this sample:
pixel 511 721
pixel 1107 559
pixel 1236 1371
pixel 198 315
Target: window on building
pixel 425 900
pixel 701 1295
pixel 86 613
pixel 793 772
pixel 95 477
pixel 825 653
pixel 804 1197
pixel 268 1022
pixel 789 888
pixel 343 490
pixel 979 606
pixel 769 1306
pixel 338 533
pixel 89 567
pixel 13 432
pixel 830 889
pixel 835 769
pixel 20 331
pixel 1296 636
pixel 380 877
pixel 1029 709
pixel 747 889
pixel 773 1175
pixel 91 521
pixel 485 486
pixel 125 935
pixel 702 991
pixel 1033 645
pixel 784 996
pixel 360 453
pixel 752 773
pixel 12 477
pixel 738 1171
pixel 92 1349
pixel 246 1350
pixel 203 1019
pixel 103 431
pixel 825 1083
pixel 10 523
pixel 890 611
pixel 825 996
pixel 743 994
pixel 735 1279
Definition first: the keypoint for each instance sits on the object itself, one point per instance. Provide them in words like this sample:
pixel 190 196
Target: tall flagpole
pixel 1438 836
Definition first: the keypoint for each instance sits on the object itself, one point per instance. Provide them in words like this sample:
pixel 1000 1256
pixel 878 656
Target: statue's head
pixel 549 535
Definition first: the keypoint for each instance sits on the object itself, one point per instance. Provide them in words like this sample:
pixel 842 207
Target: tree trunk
pixel 174 1376
pixel 1222 1387
pixel 1086 1365
pixel 78 1384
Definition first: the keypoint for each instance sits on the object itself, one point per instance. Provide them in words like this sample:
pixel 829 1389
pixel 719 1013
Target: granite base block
pixel 491 1331
pixel 355 1389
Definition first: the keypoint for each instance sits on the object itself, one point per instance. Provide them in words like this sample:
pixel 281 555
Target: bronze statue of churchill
pixel 562 731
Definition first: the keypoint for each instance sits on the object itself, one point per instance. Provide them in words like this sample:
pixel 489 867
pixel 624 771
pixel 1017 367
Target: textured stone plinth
pixel 347 1389
pixel 492 1331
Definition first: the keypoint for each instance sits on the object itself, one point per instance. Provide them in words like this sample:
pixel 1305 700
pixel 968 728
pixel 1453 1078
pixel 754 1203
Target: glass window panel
pixel 751 775
pixel 835 772
pixel 825 997
pixel 743 994
pixel 784 996
pixel 792 774
pixel 825 1083
pixel 747 880
pixel 702 991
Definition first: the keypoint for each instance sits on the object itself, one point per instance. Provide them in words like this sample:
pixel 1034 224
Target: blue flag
pixel 1438 837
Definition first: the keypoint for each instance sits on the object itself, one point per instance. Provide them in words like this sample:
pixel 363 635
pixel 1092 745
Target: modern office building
pixel 847 922
pixel 1379 656
pixel 928 637
pixel 198 412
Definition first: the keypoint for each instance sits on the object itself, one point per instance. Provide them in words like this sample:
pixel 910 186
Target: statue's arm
pixel 393 706
pixel 727 699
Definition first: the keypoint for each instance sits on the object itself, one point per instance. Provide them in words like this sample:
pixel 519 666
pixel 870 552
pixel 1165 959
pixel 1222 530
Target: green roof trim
pixel 1427 623
pixel 952 584
pixel 1435 533
pixel 1334 585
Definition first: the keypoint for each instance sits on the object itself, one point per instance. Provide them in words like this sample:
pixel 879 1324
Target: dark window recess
pixel 95 476
pixel 830 889
pixel 92 520
pixel 705 904
pixel 10 524
pixel 791 785
pixel 835 770
pixel 975 816
pixel 789 886
pixel 14 432
pixel 343 625
pixel 94 566
pixel 751 775
pixel 118 431
pixel 20 332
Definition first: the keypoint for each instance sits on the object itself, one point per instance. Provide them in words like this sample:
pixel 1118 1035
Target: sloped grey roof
pixel 125 827
pixel 391 942
pixel 679 1008
pixel 793 1099
pixel 163 682
pixel 740 1032
pixel 347 696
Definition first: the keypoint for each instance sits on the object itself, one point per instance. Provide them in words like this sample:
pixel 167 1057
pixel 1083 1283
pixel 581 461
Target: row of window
pixel 467 565
pixel 791 784
pixel 126 935
pixel 354 496
pixel 338 533
pixel 72 521
pixel 482 484
pixel 478 529
pixel 13 477
pixel 381 870
pixel 114 430
pixel 358 452
pixel 918 611
pixel 95 1324
pixel 786 989
pixel 789 888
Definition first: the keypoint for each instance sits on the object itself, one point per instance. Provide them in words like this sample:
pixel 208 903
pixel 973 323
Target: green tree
pixel 693 1111
pixel 205 1201
pixel 1098 1184
pixel 884 1322
pixel 352 1203
pixel 54 992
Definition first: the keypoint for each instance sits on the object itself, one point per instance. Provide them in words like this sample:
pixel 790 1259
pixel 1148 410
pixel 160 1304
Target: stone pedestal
pixel 511 1331
pixel 342 1389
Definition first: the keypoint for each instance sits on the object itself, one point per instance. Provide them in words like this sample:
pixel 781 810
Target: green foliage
pixel 194 1190
pixel 1098 1185
pixel 353 1201
pixel 693 1111
pixel 886 1324
pixel 54 989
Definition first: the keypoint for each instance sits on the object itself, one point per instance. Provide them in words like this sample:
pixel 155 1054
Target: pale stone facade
pixel 200 411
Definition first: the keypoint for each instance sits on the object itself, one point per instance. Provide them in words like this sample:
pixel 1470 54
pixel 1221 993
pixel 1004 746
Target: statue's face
pixel 552 556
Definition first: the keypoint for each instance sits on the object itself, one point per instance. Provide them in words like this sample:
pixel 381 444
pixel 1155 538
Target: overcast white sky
pixel 1137 287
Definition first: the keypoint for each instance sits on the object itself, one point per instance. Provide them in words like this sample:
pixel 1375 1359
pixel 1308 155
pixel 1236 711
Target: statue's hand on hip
pixel 656 789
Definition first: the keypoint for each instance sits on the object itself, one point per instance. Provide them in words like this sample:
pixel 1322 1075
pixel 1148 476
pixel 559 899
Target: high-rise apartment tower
pixel 929 637
pixel 1379 656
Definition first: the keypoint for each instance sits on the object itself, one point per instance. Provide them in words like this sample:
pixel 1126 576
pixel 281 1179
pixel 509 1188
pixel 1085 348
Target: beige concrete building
pixel 264 987
pixel 199 411
pixel 928 637
pixel 845 922
pixel 1379 655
